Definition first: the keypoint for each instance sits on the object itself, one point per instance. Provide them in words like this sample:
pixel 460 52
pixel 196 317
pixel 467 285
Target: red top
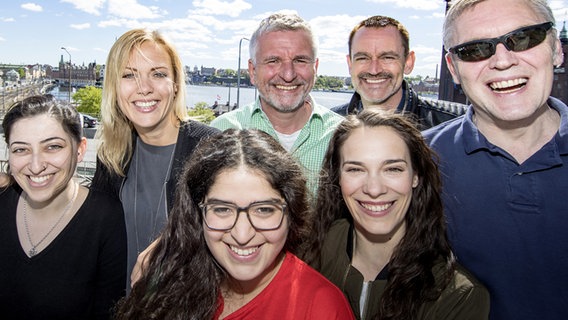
pixel 296 292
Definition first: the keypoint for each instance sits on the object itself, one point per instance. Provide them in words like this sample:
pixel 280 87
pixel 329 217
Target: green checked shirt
pixel 309 148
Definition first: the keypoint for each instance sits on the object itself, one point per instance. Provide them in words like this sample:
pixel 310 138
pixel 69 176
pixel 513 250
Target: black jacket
pixel 428 112
pixel 190 133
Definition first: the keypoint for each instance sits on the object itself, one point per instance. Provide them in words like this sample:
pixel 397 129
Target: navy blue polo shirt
pixel 508 222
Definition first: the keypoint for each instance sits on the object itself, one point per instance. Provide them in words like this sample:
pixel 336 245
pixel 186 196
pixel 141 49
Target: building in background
pixel 80 76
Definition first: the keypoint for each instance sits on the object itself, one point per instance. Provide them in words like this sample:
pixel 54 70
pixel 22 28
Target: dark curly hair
pixel 411 281
pixel 182 280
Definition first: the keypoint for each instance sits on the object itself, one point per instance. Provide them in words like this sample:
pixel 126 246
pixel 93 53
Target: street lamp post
pixel 3 92
pixel 239 71
pixel 63 48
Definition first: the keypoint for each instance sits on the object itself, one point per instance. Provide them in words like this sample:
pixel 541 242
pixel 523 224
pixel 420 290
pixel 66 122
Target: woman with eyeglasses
pixel 382 229
pixel 230 248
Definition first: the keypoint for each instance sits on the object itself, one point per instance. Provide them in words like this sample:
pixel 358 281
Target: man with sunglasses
pixel 505 163
pixel 379 57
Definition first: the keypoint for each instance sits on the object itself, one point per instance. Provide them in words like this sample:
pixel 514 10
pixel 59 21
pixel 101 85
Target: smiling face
pixel 147 88
pixel 42 157
pixel 249 256
pixel 377 65
pixel 377 180
pixel 285 69
pixel 509 86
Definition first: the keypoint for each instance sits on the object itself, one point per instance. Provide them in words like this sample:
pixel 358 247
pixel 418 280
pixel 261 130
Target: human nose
pixel 37 163
pixel 144 85
pixel 375 66
pixel 288 70
pixel 373 186
pixel 503 58
pixel 243 231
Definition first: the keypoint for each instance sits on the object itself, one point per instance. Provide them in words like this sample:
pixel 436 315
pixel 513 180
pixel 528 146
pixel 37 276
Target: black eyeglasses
pixel 263 215
pixel 517 40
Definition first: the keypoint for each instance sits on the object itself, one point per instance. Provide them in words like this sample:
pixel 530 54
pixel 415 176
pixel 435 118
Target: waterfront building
pixel 79 76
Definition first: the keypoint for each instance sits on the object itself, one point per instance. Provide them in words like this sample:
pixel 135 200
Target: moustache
pixel 380 75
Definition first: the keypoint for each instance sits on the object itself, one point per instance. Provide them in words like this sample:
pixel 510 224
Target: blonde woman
pixel 145 134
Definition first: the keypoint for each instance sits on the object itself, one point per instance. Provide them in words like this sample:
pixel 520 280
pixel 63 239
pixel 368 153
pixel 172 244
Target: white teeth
pixel 281 87
pixel 40 179
pixel 507 84
pixel 145 104
pixel 244 252
pixel 376 208
pixel 375 80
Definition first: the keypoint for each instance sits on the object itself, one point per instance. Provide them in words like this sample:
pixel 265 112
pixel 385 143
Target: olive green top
pixel 464 298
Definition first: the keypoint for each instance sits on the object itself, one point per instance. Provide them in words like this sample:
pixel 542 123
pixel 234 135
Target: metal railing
pixel 84 173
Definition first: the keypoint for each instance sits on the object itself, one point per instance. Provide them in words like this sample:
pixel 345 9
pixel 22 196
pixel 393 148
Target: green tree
pixel 89 100
pixel 327 82
pixel 201 112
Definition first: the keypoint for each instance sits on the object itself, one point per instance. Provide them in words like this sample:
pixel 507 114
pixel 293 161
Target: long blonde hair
pixel 115 133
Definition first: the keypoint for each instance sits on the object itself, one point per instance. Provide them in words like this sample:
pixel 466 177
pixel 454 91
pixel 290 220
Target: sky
pixel 207 32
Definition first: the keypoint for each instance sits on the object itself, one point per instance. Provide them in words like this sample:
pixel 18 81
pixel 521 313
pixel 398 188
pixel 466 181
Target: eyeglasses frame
pixel 203 205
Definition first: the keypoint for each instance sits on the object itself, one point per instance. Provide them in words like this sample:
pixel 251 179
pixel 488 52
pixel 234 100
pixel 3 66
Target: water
pixel 209 94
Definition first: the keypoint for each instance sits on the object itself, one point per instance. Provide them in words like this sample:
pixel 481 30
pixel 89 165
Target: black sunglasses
pixel 517 40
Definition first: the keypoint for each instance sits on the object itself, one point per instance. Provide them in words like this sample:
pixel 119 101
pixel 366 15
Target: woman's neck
pixel 371 253
pixel 162 135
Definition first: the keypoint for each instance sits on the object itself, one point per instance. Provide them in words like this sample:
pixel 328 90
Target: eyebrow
pixel 219 201
pixel 152 69
pixel 382 53
pixel 386 162
pixel 41 142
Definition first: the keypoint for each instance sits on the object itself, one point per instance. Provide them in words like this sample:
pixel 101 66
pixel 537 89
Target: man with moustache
pixel 283 65
pixel 379 57
pixel 504 164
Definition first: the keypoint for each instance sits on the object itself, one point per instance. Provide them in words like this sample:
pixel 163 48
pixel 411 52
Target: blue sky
pixel 207 32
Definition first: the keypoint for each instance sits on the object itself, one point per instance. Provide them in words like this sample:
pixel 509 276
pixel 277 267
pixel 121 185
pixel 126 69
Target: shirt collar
pixel 474 140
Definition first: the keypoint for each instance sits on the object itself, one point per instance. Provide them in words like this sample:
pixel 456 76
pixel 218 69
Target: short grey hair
pixel 281 22
pixel 540 7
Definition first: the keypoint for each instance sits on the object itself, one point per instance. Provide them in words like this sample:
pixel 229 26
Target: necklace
pixel 155 218
pixel 33 250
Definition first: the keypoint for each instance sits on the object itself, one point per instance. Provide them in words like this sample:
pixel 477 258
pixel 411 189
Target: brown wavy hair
pixel 411 281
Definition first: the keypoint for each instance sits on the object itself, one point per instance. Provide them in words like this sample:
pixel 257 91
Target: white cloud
pixel 32 7
pixel 413 4
pixel 422 50
pixel 7 19
pixel 333 31
pixel 80 26
pixel 88 6
pixel 218 7
pixel 131 9
pixel 2 39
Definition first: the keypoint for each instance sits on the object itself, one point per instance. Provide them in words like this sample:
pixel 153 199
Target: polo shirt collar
pixel 474 140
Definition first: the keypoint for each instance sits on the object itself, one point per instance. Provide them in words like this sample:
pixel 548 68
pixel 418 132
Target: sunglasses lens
pixel 519 40
pixel 475 51
pixel 524 40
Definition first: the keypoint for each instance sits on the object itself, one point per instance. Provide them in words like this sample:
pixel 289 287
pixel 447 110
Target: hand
pixel 141 263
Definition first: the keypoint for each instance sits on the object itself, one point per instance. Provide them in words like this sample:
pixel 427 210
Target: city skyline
pixel 207 32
